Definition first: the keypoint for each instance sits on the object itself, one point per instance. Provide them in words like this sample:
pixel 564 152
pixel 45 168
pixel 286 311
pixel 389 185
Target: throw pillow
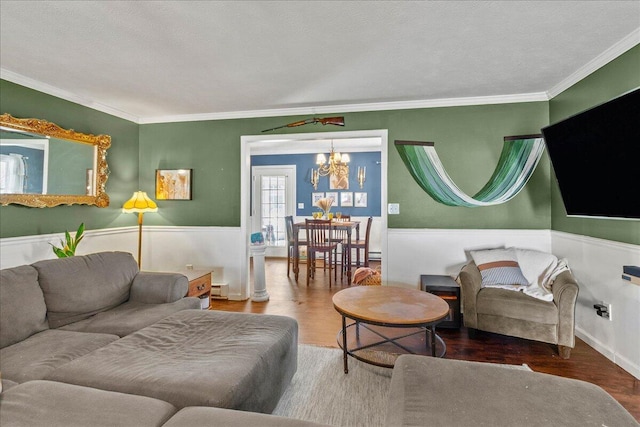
pixel 499 267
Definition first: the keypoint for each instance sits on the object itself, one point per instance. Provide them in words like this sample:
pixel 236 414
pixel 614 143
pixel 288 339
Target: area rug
pixel 321 392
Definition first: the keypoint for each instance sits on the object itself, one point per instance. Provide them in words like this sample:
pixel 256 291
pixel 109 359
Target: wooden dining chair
pixel 341 237
pixel 320 240
pixel 363 245
pixel 291 243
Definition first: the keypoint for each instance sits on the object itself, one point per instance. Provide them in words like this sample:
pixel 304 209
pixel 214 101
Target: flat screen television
pixel 596 157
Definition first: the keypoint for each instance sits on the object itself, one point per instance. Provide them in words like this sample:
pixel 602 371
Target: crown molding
pixel 601 60
pixel 349 108
pixel 630 41
pixel 63 94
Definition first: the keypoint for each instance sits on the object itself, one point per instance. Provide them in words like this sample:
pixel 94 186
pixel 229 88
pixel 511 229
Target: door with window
pixel 273 199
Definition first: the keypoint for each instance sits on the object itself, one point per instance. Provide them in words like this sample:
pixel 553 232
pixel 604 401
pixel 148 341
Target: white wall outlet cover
pixel 300 205
pixel 393 209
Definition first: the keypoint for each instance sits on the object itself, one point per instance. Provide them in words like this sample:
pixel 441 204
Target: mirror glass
pixel 43 165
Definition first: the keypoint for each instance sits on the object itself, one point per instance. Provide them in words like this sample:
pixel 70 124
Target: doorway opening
pixel 367 140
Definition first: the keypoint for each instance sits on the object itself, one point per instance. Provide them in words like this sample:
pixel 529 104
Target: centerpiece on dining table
pixel 325 205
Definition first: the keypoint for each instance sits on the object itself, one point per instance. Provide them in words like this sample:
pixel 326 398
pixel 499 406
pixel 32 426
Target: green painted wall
pixel 615 78
pixel 468 140
pixel 122 158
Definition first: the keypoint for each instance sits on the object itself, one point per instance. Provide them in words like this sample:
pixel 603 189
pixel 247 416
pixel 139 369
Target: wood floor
pixel 319 323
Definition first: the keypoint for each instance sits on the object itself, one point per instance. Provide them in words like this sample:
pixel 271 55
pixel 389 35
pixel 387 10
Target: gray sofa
pixel 97 321
pixel 45 306
pixel 424 391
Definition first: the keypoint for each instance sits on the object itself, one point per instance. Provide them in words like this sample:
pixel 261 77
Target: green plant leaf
pixel 59 252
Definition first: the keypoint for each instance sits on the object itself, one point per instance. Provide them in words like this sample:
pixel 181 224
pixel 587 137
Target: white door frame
pixel 290 172
pixel 249 143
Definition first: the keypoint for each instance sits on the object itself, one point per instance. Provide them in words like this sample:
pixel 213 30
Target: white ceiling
pixel 153 61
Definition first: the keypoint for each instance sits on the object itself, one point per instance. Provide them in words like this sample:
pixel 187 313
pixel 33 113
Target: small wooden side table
pixel 199 283
pixel 447 289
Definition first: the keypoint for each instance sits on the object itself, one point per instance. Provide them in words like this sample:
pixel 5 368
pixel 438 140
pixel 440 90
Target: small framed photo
pixel 173 184
pixel 333 195
pixel 360 200
pixel 315 197
pixel 346 198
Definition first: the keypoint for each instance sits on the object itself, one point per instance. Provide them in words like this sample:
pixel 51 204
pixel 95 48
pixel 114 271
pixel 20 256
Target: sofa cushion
pixel 40 354
pixel 46 403
pixel 130 317
pixel 78 287
pixel 515 305
pixel 22 308
pixel 499 267
pixel 202 416
pixel 197 358
pixel 466 393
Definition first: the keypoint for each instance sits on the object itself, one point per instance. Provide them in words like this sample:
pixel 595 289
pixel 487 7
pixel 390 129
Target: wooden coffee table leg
pixel 344 344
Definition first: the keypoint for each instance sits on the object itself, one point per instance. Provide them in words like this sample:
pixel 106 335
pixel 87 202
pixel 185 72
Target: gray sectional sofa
pixel 97 321
pixel 90 341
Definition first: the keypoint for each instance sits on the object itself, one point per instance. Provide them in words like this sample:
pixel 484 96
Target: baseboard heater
pixel 376 256
pixel 220 290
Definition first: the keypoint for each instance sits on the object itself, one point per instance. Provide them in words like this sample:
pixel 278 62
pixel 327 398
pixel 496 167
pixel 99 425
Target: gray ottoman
pixel 441 392
pixel 197 358
pixel 51 404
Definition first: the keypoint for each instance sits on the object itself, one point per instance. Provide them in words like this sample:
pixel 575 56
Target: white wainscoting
pixel 412 252
pixel 163 249
pixel 596 264
pixel 597 267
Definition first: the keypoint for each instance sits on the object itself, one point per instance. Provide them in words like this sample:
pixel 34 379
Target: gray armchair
pixel 513 313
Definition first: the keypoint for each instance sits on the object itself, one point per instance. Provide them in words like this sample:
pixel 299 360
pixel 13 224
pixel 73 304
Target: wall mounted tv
pixel 596 157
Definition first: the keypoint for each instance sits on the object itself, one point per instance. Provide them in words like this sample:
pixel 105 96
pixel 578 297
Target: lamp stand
pixel 140 215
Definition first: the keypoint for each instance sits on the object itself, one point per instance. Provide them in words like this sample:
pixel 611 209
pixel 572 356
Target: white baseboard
pixel 626 364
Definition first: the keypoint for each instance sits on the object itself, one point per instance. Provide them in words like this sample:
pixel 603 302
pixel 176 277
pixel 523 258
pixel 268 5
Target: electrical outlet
pixel 604 309
pixel 393 209
pixel 300 205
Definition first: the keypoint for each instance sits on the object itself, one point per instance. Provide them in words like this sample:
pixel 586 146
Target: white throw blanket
pixel 542 289
pixel 540 269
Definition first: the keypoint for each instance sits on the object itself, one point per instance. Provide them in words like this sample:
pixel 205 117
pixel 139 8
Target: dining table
pixel 348 226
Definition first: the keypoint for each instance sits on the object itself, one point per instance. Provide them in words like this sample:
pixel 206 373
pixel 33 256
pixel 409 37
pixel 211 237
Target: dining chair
pixel 341 237
pixel 320 240
pixel 291 242
pixel 363 245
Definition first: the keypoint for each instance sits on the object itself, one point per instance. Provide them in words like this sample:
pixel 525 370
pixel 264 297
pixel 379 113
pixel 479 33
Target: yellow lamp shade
pixel 139 202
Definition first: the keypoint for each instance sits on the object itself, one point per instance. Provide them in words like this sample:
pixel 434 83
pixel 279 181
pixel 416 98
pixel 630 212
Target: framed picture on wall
pixel 315 197
pixel 346 198
pixel 333 195
pixel 360 200
pixel 340 179
pixel 173 184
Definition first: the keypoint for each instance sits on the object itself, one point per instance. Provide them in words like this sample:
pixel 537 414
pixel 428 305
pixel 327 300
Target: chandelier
pixel 338 165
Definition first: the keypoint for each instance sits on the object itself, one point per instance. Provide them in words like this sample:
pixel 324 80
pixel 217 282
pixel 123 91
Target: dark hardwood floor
pixel 319 324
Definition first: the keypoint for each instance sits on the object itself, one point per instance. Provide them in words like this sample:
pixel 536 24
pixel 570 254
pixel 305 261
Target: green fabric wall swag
pixel 519 158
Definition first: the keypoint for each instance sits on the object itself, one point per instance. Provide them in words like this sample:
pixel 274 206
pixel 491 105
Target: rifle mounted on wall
pixel 336 121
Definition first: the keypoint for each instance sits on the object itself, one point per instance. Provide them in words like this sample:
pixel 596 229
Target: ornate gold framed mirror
pixel 44 165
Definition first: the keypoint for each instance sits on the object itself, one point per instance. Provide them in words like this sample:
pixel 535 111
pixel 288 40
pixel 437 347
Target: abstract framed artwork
pixel 315 197
pixel 333 195
pixel 360 200
pixel 173 184
pixel 346 199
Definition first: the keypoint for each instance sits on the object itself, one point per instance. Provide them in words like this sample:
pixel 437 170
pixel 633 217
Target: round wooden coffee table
pixel 389 307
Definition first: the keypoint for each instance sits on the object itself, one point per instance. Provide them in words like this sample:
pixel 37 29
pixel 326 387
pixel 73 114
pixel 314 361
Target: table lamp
pixel 139 203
